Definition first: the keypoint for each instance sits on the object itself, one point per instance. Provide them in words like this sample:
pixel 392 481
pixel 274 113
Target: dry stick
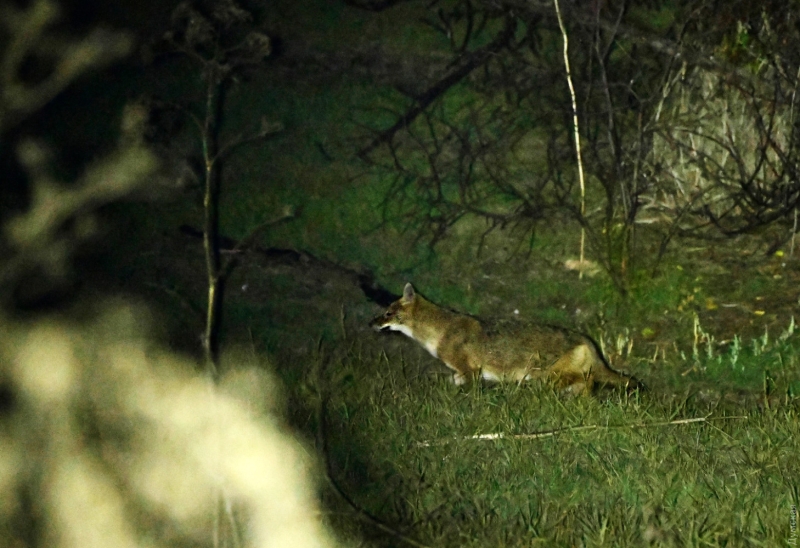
pixel 214 74
pixel 210 224
pixel 211 251
pixel 214 271
pixel 551 433
pixel 576 133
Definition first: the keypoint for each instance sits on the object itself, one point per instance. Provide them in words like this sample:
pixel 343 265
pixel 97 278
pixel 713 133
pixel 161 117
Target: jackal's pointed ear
pixel 408 293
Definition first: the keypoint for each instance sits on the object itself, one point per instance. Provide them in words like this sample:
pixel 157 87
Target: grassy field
pixel 708 456
pixel 690 469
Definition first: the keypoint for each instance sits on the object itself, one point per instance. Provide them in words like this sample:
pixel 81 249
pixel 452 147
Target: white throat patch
pixel 430 346
pixel 404 329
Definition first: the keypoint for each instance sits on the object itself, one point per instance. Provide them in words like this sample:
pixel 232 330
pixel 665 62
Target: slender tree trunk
pixel 576 131
pixel 211 226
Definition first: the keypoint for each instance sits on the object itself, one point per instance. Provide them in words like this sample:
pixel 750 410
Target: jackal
pixel 502 350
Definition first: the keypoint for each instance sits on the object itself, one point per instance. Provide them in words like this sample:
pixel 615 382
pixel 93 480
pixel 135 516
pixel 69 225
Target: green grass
pixel 744 364
pixel 399 442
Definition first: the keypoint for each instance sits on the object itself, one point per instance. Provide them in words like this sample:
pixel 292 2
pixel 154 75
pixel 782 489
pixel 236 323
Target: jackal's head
pixel 398 315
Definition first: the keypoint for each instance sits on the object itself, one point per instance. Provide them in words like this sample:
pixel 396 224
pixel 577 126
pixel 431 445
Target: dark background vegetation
pixel 383 141
pixel 432 143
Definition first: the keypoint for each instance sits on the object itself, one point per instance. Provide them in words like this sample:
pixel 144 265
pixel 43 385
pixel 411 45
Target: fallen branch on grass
pixel 554 432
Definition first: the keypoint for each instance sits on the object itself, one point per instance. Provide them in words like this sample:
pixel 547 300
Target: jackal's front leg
pixel 459 364
pixel 460 379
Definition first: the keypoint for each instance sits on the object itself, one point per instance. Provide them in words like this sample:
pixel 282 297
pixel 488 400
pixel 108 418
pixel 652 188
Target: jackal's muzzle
pixel 378 324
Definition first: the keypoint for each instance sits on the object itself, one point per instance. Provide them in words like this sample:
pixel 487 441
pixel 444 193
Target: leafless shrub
pixel 687 129
pixel 728 152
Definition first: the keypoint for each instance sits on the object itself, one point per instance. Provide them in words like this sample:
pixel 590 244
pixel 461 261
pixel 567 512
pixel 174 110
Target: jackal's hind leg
pixel 572 372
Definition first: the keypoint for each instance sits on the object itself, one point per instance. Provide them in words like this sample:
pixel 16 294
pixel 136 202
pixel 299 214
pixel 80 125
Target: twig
pixel 472 61
pixel 248 241
pixel 554 432
pixel 266 129
pixel 211 223
pixel 195 310
pixel 575 129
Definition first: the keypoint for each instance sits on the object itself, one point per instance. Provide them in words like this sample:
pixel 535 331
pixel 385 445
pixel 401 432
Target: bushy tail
pixel 605 376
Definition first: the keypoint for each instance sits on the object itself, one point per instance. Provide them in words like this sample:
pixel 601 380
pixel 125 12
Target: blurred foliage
pixel 110 440
pixel 28 37
pixel 107 439
pixel 39 241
